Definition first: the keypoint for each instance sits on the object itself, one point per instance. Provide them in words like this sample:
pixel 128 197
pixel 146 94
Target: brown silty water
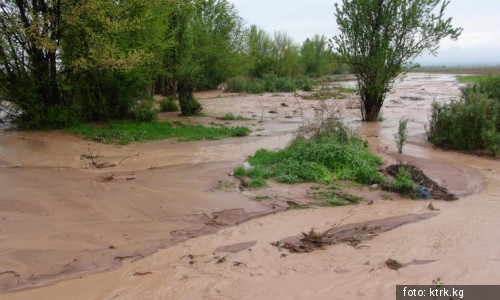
pixel 60 220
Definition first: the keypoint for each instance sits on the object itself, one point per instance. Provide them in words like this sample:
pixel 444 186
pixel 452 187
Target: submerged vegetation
pixel 125 132
pixel 471 123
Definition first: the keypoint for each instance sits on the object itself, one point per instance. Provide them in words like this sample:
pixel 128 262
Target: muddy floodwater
pixel 167 221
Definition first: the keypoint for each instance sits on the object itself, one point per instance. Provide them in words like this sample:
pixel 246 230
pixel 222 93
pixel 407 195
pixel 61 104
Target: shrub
pixel 322 159
pixel 169 104
pixel 231 117
pixel 190 106
pixel 237 84
pixel 403 182
pixel 39 116
pixel 144 111
pixel 471 123
pixel 402 135
pixel 284 85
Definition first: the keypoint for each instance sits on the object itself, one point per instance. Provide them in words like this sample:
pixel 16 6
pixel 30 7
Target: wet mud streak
pixel 352 234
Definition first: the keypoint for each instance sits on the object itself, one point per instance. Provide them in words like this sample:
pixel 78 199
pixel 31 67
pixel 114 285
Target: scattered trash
pixel 423 193
pixel 246 165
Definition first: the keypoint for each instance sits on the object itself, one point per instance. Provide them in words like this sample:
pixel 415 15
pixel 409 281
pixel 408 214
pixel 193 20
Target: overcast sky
pixel 478 44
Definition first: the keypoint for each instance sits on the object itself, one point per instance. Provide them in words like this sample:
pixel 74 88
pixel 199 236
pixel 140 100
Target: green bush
pixel 402 135
pixel 322 158
pixel 471 123
pixel 190 106
pixel 39 116
pixel 144 111
pixel 403 182
pixel 169 104
pixel 237 84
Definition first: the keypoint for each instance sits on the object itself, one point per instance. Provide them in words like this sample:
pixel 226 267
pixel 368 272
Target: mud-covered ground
pixel 62 221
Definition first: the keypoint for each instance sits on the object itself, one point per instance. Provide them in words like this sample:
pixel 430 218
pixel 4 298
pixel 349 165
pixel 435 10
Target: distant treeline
pixel 67 61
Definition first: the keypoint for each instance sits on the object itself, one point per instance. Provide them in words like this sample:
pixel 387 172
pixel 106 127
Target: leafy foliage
pixel 316 57
pixel 471 123
pixel 169 104
pixel 403 183
pixel 380 39
pixel 144 111
pixel 402 135
pixel 323 158
pixel 67 61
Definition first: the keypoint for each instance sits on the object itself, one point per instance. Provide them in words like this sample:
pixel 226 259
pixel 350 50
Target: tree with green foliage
pixel 110 51
pixel 30 37
pixel 207 36
pixel 259 48
pixel 380 39
pixel 316 56
pixel 285 55
pixel 218 33
pixel 62 59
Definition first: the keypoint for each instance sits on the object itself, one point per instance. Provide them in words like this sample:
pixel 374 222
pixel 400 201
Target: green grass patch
pixel 469 79
pixel 125 132
pixel 231 117
pixel 322 159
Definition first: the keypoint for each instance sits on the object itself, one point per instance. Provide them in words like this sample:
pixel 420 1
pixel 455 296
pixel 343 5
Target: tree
pixel 285 55
pixel 207 34
pixel 86 58
pixel 30 36
pixel 380 39
pixel 316 57
pixel 259 48
pixel 217 37
pixel 110 48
